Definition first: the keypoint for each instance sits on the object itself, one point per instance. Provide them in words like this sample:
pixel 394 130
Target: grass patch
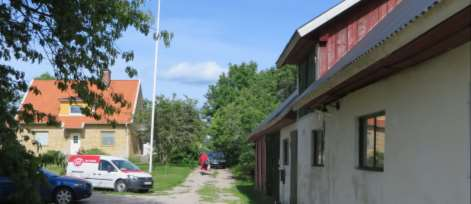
pixel 167 176
pixel 56 169
pixel 244 189
pixel 209 193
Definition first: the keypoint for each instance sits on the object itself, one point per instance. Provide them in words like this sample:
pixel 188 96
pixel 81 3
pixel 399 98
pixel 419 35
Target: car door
pixel 105 175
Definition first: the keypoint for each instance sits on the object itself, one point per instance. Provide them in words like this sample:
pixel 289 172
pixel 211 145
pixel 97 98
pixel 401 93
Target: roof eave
pixel 313 25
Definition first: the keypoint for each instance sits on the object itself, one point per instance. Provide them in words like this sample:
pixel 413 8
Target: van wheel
pixel 63 196
pixel 120 186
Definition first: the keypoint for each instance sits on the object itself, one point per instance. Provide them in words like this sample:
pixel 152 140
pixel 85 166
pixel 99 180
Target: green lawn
pixel 165 176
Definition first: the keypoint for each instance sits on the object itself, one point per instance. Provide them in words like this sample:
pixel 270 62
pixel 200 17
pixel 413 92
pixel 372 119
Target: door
pixel 105 175
pixel 74 143
pixel 294 168
pixel 273 157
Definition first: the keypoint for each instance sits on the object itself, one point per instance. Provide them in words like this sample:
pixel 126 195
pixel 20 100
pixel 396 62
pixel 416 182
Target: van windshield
pixel 125 165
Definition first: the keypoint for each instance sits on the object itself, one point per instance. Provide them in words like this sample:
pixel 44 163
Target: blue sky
pixel 209 34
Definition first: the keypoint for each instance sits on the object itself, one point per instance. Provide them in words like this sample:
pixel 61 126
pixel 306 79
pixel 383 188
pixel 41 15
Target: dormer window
pixel 75 110
pixel 307 71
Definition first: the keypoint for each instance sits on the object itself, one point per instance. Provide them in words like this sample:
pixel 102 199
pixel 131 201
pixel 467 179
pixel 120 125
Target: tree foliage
pixel 45 76
pixel 239 101
pixel 142 118
pixel 78 39
pixel 179 130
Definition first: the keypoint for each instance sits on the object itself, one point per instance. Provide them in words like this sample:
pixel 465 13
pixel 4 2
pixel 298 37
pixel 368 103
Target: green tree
pixel 235 112
pixel 142 118
pixel 180 131
pixel 78 39
pixel 45 76
pixel 229 86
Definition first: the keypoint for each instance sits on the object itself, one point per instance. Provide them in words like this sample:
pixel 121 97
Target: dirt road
pixel 219 180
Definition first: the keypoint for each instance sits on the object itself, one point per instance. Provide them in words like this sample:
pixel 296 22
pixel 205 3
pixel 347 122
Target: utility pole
pixel 156 60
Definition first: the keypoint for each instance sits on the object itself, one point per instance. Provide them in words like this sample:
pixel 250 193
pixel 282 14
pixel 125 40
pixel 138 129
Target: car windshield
pixel 125 165
pixel 48 173
pixel 216 155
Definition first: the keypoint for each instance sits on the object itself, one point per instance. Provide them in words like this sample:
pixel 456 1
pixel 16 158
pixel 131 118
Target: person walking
pixel 203 161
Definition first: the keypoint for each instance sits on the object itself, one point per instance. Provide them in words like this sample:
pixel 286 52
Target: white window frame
pixel 106 133
pixel 42 142
pixel 77 114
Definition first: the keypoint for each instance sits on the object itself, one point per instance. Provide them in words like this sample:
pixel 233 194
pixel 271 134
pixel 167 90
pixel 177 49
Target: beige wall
pixel 56 139
pixel 427 152
pixel 93 139
pixel 59 139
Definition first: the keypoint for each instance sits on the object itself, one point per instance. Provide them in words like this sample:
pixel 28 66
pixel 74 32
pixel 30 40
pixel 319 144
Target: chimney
pixel 106 77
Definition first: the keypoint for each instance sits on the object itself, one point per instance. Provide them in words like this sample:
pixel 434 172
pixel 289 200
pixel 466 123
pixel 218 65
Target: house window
pixel 107 138
pixel 307 71
pixel 285 152
pixel 75 110
pixel 372 141
pixel 317 148
pixel 41 137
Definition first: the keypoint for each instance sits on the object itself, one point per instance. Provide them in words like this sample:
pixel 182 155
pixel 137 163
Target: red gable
pixel 50 99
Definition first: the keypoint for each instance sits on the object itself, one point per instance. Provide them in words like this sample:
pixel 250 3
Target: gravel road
pixel 187 193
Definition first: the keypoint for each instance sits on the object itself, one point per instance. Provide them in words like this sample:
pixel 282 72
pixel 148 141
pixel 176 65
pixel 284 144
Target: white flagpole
pixel 156 59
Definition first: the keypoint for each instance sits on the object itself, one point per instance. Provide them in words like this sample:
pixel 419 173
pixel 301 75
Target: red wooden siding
pixel 342 36
pixel 260 164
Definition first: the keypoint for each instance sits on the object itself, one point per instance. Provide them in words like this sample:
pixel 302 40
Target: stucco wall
pixel 285 188
pixel 427 140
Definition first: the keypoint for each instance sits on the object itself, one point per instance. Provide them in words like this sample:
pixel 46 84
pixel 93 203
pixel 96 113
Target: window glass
pixel 106 166
pixel 125 165
pixel 75 139
pixel 75 110
pixel 372 141
pixel 318 147
pixel 307 71
pixel 285 152
pixel 380 137
pixel 107 138
pixel 41 137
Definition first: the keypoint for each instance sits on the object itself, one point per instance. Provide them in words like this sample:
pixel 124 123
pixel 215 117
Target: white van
pixel 109 172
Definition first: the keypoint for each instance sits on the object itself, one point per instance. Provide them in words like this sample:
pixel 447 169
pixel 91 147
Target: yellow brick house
pixel 77 131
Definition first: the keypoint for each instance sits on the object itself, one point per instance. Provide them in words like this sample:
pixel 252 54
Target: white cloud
pixel 204 72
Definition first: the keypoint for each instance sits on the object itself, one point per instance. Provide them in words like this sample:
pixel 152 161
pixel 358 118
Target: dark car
pixel 217 160
pixel 58 189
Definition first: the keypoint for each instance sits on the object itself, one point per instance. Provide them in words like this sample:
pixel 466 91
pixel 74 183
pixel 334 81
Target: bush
pixel 93 151
pixel 53 157
pixel 245 167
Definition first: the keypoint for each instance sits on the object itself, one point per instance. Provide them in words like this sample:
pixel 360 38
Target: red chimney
pixel 106 77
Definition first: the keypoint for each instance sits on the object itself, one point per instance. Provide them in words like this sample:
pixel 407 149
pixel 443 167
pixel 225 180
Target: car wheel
pixel 63 196
pixel 120 186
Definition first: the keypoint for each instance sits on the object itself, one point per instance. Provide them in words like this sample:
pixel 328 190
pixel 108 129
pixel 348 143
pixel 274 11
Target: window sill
pixel 74 114
pixel 317 165
pixel 371 169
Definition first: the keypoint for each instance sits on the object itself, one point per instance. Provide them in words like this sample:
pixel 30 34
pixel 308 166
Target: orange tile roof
pixel 50 98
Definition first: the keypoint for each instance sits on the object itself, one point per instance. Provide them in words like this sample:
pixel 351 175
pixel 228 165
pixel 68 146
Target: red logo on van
pixel 78 161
